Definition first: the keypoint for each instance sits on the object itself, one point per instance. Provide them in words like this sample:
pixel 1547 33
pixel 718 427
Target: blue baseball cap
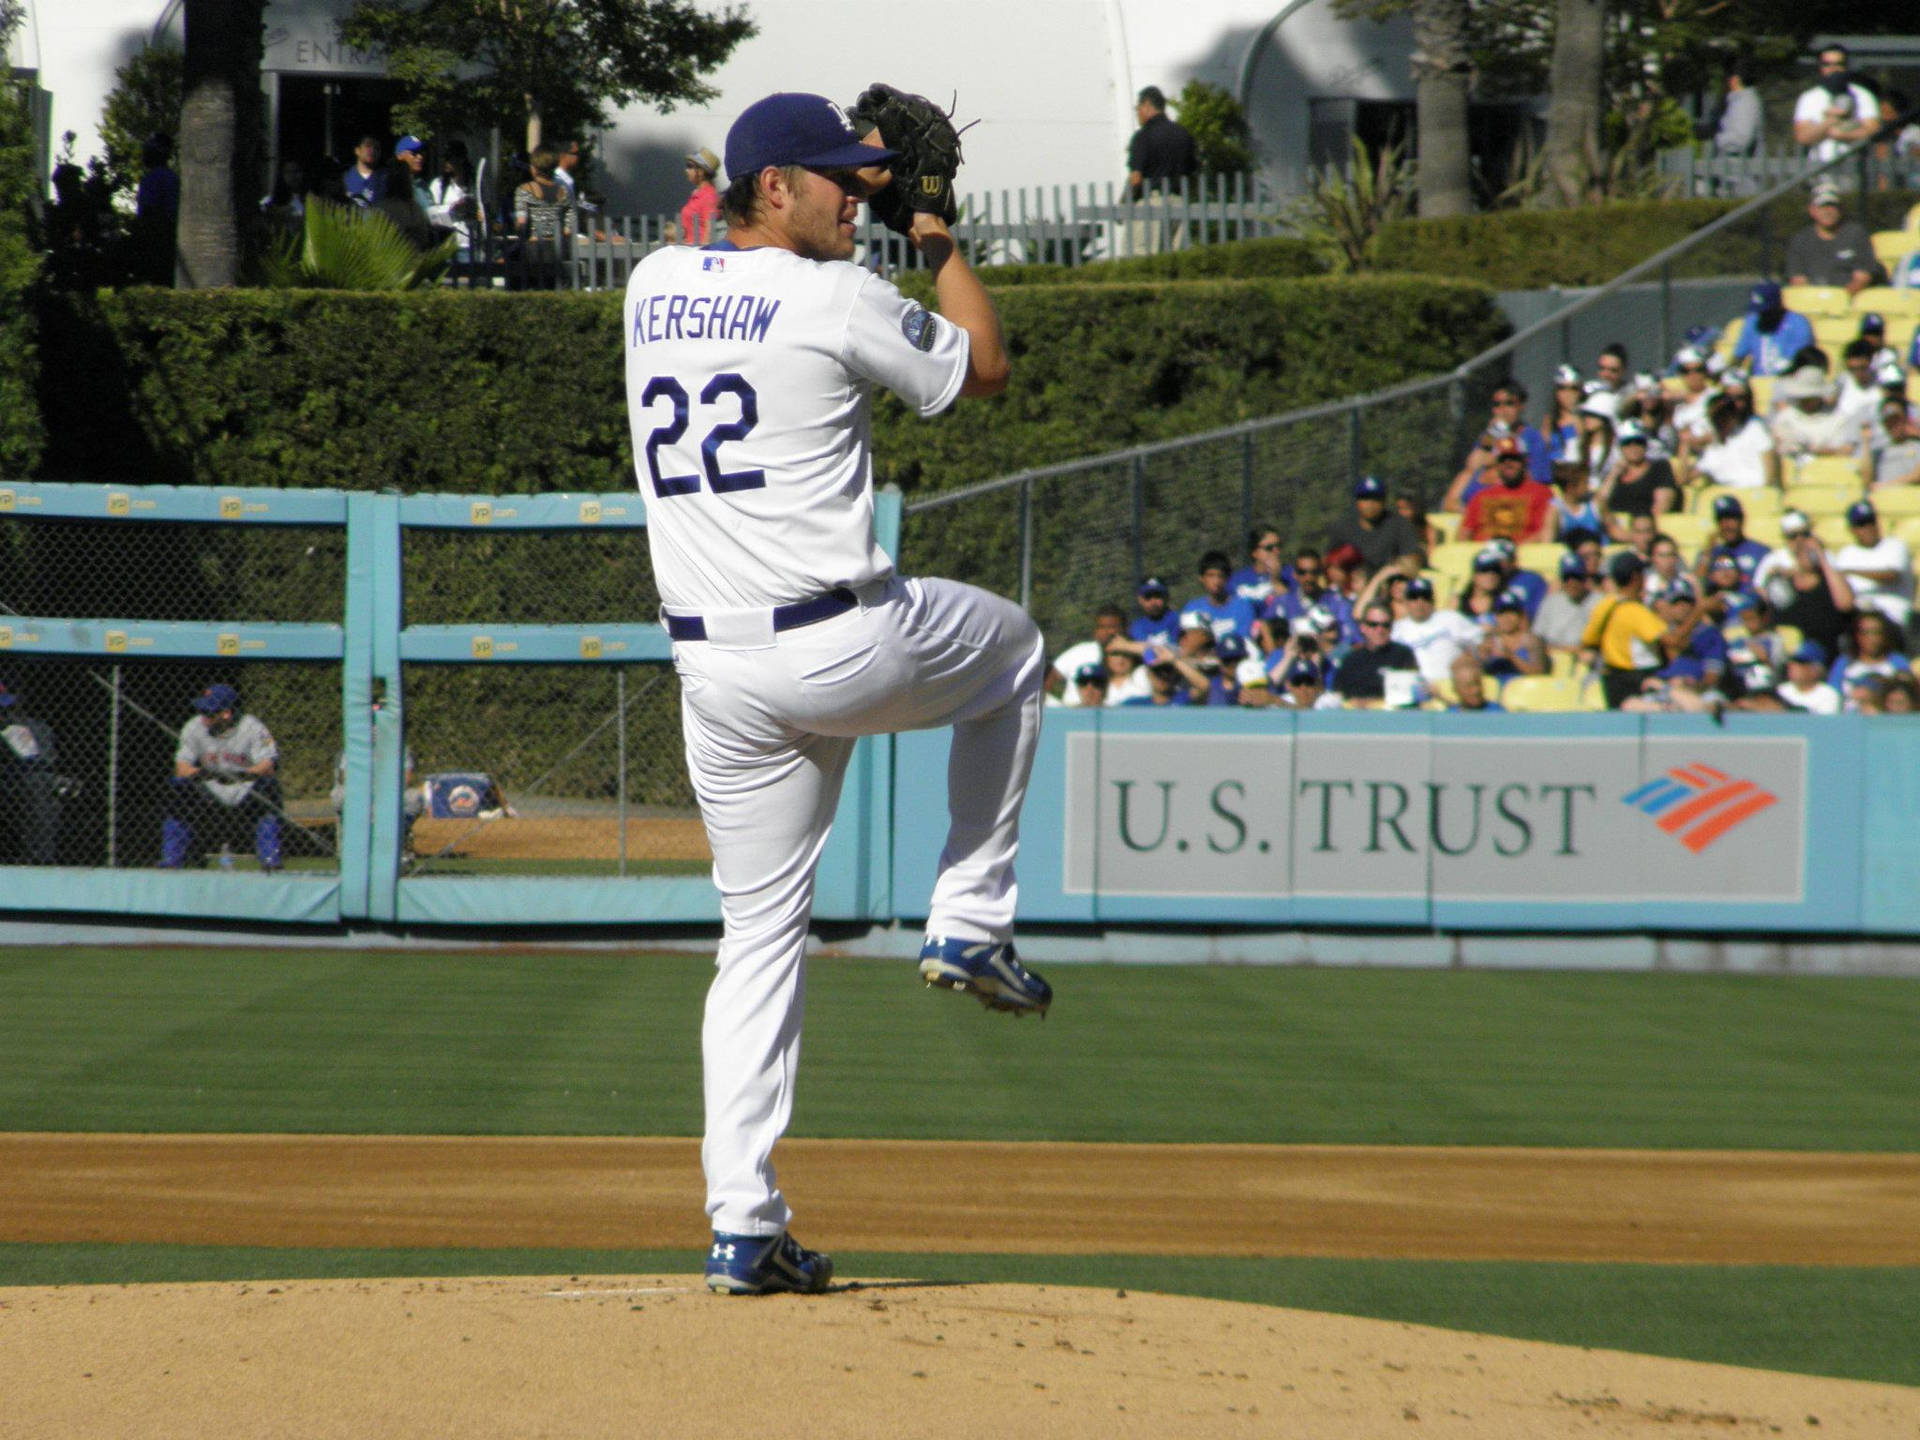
pixel 1509 600
pixel 407 145
pixel 1152 585
pixel 795 128
pixel 1861 512
pixel 1764 296
pixel 1728 507
pixel 1370 488
pixel 1419 588
pixel 1093 673
pixel 1572 567
pixel 216 697
pixel 1303 672
pixel 1811 652
pixel 1873 323
pixel 1230 648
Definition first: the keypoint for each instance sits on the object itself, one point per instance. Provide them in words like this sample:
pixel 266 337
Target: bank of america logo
pixel 1697 804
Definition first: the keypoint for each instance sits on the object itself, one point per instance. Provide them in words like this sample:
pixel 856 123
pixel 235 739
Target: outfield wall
pixel 1562 823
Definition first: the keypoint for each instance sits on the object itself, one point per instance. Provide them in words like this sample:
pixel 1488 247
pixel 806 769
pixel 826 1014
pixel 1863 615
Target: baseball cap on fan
pixel 215 698
pixel 407 144
pixel 795 128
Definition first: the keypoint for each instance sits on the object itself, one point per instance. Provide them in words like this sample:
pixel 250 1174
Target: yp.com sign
pixel 1505 818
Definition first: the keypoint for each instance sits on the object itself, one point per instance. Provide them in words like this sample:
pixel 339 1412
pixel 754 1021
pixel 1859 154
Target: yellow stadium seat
pixel 1761 387
pixel 1535 694
pixel 1765 529
pixel 1541 557
pixel 1764 501
pixel 1454 559
pixel 1890 247
pixel 1447 523
pixel 1896 501
pixel 1440 695
pixel 1908 529
pixel 1832 530
pixel 1912 226
pixel 1829 494
pixel 1560 663
pixel 1886 300
pixel 1832 332
pixel 1790 636
pixel 1816 300
pixel 1689 532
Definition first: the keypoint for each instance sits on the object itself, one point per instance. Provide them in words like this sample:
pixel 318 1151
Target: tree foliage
pixel 548 65
pixel 21 435
pixel 1219 127
pixel 145 100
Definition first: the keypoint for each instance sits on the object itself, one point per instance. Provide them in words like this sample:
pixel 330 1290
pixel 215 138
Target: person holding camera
pixel 1814 596
pixel 1507 422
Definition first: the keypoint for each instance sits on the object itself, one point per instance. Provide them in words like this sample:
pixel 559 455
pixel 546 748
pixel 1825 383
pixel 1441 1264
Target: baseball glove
pixel 928 159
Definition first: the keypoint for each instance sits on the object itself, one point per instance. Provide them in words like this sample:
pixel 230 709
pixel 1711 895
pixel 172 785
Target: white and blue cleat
pixel 991 973
pixel 765 1265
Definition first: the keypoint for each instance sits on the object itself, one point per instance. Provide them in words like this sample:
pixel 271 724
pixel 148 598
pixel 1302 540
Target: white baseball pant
pixel 770 721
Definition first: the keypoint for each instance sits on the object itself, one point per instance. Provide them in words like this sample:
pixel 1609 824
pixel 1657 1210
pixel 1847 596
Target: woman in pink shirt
pixel 696 216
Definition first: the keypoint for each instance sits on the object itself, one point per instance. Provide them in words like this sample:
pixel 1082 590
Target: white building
pixel 1052 82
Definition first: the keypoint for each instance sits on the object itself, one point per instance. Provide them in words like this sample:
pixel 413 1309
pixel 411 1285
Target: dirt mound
pixel 655 1355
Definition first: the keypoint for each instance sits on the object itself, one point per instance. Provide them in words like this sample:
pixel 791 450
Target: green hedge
pixel 1273 258
pixel 21 436
pixel 503 393
pixel 1533 249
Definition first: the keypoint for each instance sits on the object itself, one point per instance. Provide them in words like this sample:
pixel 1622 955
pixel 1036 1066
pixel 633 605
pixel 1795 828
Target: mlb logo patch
pixel 714 262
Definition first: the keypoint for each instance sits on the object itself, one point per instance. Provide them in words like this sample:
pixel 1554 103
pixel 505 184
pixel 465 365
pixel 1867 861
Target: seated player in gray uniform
pixel 224 789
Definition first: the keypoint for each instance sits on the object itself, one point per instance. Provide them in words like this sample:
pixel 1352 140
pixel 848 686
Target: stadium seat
pixel 1454 560
pixel 1560 663
pixel 1689 532
pixel 1832 530
pixel 1447 523
pixel 1832 333
pixel 1762 388
pixel 1908 529
pixel 1887 301
pixel 1816 300
pixel 1827 495
pixel 1542 557
pixel 1790 636
pixel 1765 529
pixel 1892 246
pixel 1896 501
pixel 1764 501
pixel 1912 226
pixel 1530 694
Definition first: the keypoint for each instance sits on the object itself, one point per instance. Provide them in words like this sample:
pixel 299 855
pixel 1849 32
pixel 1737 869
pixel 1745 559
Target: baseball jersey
pixel 247 743
pixel 1232 616
pixel 750 376
pixel 1164 631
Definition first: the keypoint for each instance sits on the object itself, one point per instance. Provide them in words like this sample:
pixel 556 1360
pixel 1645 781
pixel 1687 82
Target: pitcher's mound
pixel 658 1356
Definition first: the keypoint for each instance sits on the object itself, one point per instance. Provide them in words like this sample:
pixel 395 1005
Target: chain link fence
pixel 1067 539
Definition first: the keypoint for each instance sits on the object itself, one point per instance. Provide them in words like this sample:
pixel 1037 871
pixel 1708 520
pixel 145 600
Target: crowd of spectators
pixel 1708 536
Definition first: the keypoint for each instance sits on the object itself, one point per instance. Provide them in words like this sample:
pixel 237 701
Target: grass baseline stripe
pixel 1852 1323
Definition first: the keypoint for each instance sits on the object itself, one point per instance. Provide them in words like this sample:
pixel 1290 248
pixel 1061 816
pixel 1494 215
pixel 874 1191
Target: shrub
pixel 21 433
pixel 1534 249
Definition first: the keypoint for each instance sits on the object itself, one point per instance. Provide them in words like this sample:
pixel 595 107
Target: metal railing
pixel 1701 171
pixel 1068 537
pixel 1058 225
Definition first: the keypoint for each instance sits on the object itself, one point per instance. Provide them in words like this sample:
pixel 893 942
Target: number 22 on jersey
pixel 729 409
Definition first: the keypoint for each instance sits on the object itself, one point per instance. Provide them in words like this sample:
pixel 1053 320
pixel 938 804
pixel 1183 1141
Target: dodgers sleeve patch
pixel 918 326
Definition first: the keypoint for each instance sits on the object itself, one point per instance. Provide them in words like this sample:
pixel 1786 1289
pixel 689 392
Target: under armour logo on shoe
pixel 723 1252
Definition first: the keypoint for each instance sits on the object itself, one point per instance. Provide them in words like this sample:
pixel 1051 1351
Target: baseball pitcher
pixel 751 365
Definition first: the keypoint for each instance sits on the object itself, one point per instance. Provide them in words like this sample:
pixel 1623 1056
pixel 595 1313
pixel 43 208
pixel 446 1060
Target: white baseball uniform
pixel 749 380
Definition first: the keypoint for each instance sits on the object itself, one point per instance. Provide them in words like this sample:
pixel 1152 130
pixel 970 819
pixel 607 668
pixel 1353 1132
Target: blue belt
pixel 785 617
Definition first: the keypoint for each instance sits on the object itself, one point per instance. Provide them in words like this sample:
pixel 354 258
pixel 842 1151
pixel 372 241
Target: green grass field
pixel 573 1043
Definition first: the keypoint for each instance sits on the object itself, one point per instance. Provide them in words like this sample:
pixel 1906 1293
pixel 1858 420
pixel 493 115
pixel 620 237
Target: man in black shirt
pixel 1380 538
pixel 1359 679
pixel 1161 154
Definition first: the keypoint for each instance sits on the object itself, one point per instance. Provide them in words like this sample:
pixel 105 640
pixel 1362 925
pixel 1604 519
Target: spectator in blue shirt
pixel 365 183
pixel 1310 589
pixel 1174 680
pixel 1470 687
pixel 1532 588
pixel 1730 539
pixel 1157 622
pixel 1217 608
pixel 1772 334
pixel 1705 658
pixel 1261 578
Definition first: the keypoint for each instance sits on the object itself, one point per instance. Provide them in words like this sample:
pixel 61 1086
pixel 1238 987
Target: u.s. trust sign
pixel 1507 817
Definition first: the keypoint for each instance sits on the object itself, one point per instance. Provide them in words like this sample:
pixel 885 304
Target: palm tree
pixel 219 129
pixel 1441 72
pixel 1572 151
